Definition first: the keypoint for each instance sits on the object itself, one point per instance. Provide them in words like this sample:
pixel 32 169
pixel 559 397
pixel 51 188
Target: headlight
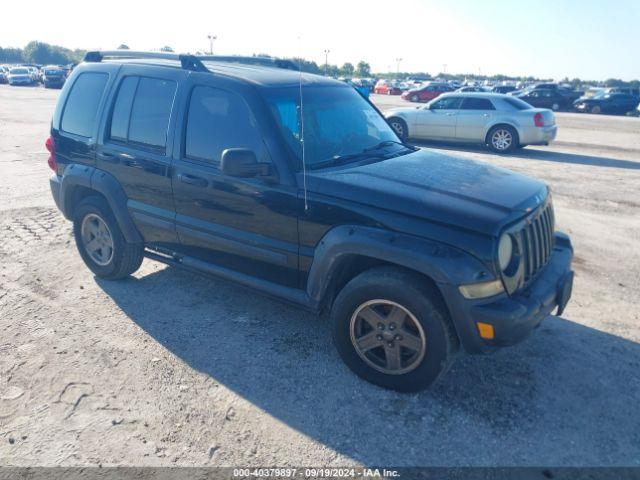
pixel 505 251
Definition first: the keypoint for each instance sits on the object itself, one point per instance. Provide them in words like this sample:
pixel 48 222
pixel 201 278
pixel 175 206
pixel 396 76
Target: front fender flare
pixel 440 262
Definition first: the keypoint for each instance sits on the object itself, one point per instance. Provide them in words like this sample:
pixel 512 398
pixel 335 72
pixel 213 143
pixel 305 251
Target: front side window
pixel 81 109
pixel 472 103
pixel 218 120
pixel 338 123
pixel 448 103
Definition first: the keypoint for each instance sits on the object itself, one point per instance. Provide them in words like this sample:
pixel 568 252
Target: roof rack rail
pixel 188 62
pixel 262 61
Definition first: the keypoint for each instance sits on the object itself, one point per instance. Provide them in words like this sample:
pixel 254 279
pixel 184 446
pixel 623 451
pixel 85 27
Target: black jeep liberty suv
pixel 294 185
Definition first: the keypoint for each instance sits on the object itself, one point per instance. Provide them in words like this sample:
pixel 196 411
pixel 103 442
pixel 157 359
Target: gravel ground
pixel 170 368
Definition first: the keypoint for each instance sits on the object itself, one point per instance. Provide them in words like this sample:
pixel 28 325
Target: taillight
pixel 537 120
pixel 51 147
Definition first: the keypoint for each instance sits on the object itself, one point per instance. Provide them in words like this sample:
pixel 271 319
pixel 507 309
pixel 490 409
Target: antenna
pixel 304 165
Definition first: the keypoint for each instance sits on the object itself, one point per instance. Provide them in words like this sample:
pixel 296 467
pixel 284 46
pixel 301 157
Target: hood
pixel 440 188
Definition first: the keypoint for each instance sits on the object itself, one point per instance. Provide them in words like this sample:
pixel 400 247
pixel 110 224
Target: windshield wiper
pixel 389 143
pixel 366 153
pixel 342 159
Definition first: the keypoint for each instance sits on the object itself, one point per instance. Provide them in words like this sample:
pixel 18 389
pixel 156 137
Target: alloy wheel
pixel 501 139
pixel 97 239
pixel 387 337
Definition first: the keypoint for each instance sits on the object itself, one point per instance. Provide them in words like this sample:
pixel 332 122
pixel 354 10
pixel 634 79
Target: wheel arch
pixel 80 181
pixel 346 251
pixel 503 123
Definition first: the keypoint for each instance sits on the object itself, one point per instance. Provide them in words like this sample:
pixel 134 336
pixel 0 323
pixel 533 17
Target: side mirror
pixel 242 162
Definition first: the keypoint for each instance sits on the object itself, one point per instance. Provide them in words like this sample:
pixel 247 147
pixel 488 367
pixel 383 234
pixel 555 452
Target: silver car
pixel 500 121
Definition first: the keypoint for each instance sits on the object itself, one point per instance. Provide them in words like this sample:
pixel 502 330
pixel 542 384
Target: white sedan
pixel 500 121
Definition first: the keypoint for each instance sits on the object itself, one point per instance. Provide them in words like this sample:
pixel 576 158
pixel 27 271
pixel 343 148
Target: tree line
pixel 43 53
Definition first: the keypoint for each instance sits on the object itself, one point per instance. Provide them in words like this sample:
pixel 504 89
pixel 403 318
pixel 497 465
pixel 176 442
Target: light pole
pixel 211 39
pixel 398 60
pixel 326 61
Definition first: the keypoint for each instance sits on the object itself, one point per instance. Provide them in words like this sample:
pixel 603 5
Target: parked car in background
pixel 427 92
pixel 633 91
pixel 472 88
pixel 4 71
pixel 53 76
pixel 499 121
pixel 615 103
pixel 20 76
pixel 503 89
pixel 545 98
pixel 387 87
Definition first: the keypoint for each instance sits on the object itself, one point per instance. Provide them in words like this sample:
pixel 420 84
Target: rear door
pixel 135 146
pixel 475 114
pixel 438 121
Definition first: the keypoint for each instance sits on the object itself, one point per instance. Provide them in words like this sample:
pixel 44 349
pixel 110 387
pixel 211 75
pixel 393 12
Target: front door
pixel 438 121
pixel 248 225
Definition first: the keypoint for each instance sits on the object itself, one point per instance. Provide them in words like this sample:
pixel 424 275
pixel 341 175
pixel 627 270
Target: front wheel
pixel 503 139
pixel 101 243
pixel 392 329
pixel 400 127
pixel 596 109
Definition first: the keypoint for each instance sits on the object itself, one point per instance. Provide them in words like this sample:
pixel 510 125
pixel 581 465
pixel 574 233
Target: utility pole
pixel 398 60
pixel 326 61
pixel 444 68
pixel 211 39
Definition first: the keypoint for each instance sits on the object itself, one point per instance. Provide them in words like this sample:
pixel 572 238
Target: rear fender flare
pixel 105 184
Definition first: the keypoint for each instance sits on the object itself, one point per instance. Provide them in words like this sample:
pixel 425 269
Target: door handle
pixel 192 180
pixel 485 115
pixel 450 114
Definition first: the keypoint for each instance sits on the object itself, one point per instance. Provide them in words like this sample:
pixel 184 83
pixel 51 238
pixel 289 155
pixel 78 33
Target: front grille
pixel 538 241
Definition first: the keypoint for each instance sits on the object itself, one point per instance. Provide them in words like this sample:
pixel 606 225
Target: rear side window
pixel 472 103
pixel 122 109
pixel 142 110
pixel 517 103
pixel 81 109
pixel 218 120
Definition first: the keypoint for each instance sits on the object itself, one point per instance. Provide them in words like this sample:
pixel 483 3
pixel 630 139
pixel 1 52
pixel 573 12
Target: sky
pixel 589 39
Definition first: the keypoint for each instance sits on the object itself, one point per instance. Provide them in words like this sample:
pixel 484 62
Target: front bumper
pixel 514 317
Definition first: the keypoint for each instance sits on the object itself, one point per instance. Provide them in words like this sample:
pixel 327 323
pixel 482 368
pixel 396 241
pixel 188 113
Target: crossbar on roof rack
pixel 188 62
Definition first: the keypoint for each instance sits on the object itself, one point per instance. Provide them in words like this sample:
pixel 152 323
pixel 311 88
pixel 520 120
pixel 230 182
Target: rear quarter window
pixel 81 109
pixel 516 103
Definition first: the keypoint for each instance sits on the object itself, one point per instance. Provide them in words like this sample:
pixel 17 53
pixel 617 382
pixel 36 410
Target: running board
pixel 290 295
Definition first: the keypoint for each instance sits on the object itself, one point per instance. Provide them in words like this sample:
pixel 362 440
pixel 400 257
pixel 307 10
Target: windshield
pixel 19 71
pixel 338 123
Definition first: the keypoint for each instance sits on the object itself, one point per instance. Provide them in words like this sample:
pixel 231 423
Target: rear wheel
pixel 503 139
pixel 101 243
pixel 391 328
pixel 415 98
pixel 555 107
pixel 400 127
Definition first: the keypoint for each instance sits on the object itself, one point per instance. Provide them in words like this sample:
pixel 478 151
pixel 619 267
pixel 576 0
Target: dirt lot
pixel 169 368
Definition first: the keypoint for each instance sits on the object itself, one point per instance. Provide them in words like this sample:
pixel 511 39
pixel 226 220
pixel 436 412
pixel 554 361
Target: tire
pixel 596 109
pixel 400 127
pixel 502 139
pixel 425 325
pixel 415 98
pixel 555 107
pixel 118 261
